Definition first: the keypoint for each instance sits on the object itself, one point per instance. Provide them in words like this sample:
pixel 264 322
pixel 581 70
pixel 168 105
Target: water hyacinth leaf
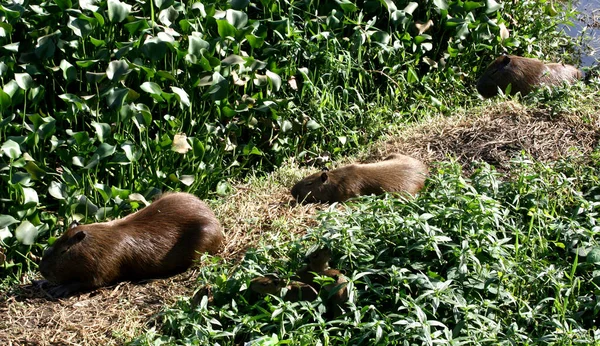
pixel 57 190
pixel 89 5
pixel 180 144
pixel 69 72
pixel 105 150
pixel 182 96
pixel 492 6
pixel 233 59
pixel 238 4
pixel 78 161
pixel 137 26
pixel 472 5
pixel 94 77
pixel 30 197
pixel 3 68
pixel 46 46
pixel 116 96
pixel 196 44
pixel 136 197
pixel 440 4
pixel 151 88
pixel 130 152
pixel 286 126
pixel 312 125
pixel 86 63
pixel 102 130
pixel 7 220
pixel 5 101
pixel 411 7
pixel 64 4
pixel 116 69
pixel 168 16
pixel 24 80
pixel 26 233
pixel 187 180
pixel 154 48
pixel 236 18
pixel 255 41
pixel 118 11
pixel 391 6
pixel 80 27
pixel 11 149
pixel 161 4
pixel 224 188
pixel 275 79
pixel 225 29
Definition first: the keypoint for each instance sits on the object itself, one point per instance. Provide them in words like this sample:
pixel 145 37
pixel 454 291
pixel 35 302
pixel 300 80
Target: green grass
pixel 478 260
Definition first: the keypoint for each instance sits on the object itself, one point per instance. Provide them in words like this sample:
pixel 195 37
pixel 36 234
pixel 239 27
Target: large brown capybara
pixel 397 173
pixel 160 240
pixel 523 74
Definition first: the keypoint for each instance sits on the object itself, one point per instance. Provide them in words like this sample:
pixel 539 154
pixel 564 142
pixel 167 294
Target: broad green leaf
pixel 151 88
pixel 3 69
pixel 233 59
pixel 94 77
pixel 105 150
pixel 118 11
pixel 26 233
pixel 492 6
pixel 225 29
pixel 161 4
pixel 5 233
pixel 80 27
pixel 196 44
pixel 275 79
pixel 411 7
pixel 69 72
pixel 312 125
pixel 12 47
pixel 102 130
pixel 286 126
pixel 182 96
pixel 440 4
pixel 24 80
pixel 64 4
pixel 7 220
pixel 34 170
pixel 168 16
pixel 116 96
pixel 238 4
pixel 136 27
pixel 46 45
pixel 130 152
pixel 347 6
pixel 236 18
pixel 5 101
pixel 154 48
pixel 187 180
pixel 116 69
pixel 471 5
pixel 411 76
pixel 224 188
pixel 11 149
pixel 30 197
pixel 57 190
pixel 89 5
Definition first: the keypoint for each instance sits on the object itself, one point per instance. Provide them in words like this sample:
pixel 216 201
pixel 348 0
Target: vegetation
pixel 104 104
pixel 477 260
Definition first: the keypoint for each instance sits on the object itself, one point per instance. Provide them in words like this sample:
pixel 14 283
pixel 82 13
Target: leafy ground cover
pixel 258 216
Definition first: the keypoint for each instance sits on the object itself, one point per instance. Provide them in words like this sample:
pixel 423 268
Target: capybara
pixel 397 173
pixel 335 293
pixel 296 291
pixel 523 74
pixel 159 240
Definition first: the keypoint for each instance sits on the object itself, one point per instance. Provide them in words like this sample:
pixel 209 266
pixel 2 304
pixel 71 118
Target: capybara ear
pixel 78 237
pixel 73 224
pixel 324 177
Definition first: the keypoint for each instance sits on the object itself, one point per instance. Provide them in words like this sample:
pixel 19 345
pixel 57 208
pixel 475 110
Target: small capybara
pixel 524 74
pixel 296 291
pixel 336 292
pixel 397 173
pixel 159 240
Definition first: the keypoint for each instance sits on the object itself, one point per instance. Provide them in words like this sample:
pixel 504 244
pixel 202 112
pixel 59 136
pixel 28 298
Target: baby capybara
pixel 523 74
pixel 160 240
pixel 397 173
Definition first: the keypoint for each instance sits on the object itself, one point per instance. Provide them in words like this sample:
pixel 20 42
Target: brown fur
pixel 524 74
pixel 335 293
pixel 160 240
pixel 296 291
pixel 397 173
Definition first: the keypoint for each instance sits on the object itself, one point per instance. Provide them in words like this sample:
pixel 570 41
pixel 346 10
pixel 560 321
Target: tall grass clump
pixel 105 103
pixel 487 259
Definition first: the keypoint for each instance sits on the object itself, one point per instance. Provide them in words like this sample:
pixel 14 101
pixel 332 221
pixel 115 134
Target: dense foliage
pixel 104 103
pixel 479 260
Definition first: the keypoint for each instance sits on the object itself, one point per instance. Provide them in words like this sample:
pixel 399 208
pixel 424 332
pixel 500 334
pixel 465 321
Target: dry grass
pixel 262 207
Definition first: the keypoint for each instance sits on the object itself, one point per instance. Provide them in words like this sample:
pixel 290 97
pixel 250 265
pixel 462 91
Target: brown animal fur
pixel 335 293
pixel 160 240
pixel 296 291
pixel 397 173
pixel 524 74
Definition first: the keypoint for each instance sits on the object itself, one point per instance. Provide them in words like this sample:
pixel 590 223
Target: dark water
pixel 588 23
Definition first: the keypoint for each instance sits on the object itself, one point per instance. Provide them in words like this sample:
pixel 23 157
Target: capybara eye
pixel 309 183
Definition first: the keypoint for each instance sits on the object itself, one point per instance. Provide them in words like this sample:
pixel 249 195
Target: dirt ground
pixel 113 315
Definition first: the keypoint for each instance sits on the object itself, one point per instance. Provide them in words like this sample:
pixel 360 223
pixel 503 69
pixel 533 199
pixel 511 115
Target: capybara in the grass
pixel 335 293
pixel 397 173
pixel 159 240
pixel 523 74
pixel 296 291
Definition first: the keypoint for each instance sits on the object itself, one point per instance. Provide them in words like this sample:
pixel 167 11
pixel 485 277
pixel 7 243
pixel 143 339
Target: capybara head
pixel 268 284
pixel 61 260
pixel 317 187
pixel 318 259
